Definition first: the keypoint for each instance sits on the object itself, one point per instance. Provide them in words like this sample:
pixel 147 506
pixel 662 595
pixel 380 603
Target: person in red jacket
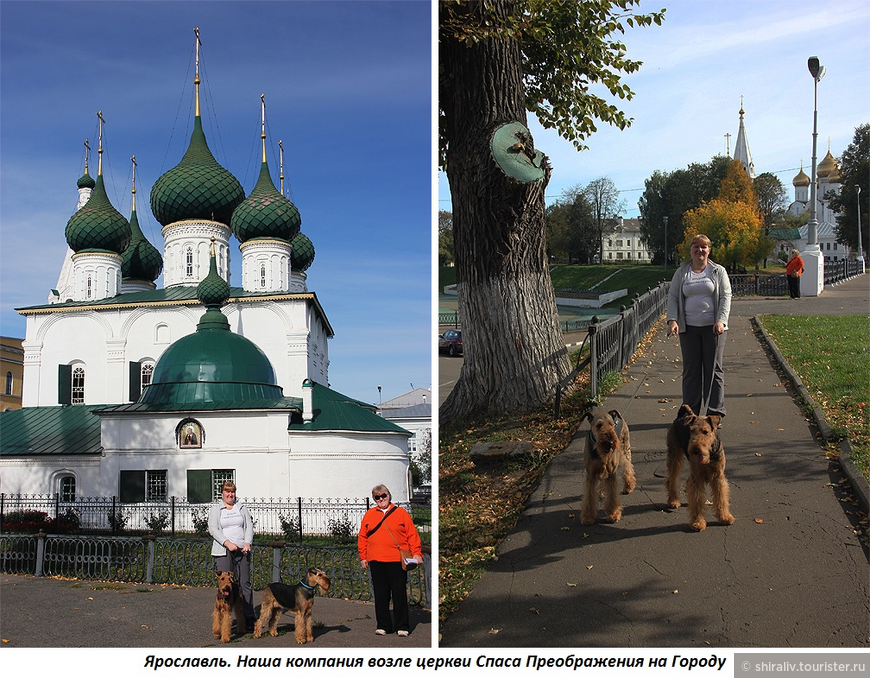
pixel 793 269
pixel 385 529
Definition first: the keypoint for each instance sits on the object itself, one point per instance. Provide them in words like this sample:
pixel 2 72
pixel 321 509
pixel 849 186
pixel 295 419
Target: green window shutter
pixel 135 381
pixel 64 384
pixel 199 486
pixel 132 486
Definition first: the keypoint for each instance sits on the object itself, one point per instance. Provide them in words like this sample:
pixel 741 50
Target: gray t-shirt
pixel 698 293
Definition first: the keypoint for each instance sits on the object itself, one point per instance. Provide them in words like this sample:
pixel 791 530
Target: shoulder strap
pixel 375 528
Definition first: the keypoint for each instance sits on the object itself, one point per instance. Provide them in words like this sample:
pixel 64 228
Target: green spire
pixel 213 292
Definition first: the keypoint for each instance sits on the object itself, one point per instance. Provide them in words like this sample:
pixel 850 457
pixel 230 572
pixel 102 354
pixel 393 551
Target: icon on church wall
pixel 190 436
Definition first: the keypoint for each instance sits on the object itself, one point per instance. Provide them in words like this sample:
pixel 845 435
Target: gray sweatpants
pixel 703 353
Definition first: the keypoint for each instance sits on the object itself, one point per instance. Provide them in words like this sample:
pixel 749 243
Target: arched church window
pixel 9 383
pixel 146 372
pixel 67 488
pixel 90 287
pixel 262 275
pixel 78 386
pixel 188 258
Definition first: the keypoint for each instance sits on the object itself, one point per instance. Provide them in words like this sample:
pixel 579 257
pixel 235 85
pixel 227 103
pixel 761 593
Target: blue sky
pixel 697 65
pixel 348 90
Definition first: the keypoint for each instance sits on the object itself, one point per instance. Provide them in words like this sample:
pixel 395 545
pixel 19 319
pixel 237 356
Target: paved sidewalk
pixel 790 572
pixel 48 612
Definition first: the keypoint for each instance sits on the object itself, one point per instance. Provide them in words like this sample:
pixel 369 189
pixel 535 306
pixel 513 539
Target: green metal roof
pixel 784 233
pixel 265 213
pixel 174 296
pixel 336 412
pixel 98 226
pixel 283 403
pixel 75 429
pixel 197 187
pixel 67 429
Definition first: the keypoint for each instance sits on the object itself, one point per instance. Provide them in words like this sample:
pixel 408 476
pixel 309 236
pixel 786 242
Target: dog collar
pixel 304 585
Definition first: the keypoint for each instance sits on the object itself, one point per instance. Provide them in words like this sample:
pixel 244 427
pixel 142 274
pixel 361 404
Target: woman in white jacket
pixel 232 529
pixel 699 303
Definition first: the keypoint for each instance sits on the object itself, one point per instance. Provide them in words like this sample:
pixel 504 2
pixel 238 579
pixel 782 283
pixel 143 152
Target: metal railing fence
pixel 188 562
pixel 296 517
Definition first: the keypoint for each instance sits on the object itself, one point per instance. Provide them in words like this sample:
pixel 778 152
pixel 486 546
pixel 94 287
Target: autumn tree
pixel 732 221
pixel 671 195
pixel 854 171
pixel 497 60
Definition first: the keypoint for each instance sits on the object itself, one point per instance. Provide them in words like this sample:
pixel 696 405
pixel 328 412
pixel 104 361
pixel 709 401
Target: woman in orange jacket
pixel 385 529
pixel 793 270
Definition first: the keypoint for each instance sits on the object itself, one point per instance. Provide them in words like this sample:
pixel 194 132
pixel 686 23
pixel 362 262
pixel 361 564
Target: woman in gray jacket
pixel 699 303
pixel 232 529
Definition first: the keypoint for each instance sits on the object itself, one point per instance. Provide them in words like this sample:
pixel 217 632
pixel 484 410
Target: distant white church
pixel 828 177
pixel 143 392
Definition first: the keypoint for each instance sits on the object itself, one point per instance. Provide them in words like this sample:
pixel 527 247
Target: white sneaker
pixel 380 632
pixel 402 634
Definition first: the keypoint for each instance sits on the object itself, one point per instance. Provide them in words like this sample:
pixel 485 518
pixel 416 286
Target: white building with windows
pixel 141 392
pixel 624 244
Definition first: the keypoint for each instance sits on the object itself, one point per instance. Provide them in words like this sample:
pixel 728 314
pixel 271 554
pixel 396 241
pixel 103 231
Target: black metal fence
pixel 294 517
pixel 188 562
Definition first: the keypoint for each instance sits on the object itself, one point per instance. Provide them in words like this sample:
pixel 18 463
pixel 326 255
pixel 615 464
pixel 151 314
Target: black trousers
pixel 389 580
pixel 794 287
pixel 702 369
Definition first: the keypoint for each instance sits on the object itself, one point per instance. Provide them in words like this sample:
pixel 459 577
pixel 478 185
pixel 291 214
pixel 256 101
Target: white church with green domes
pixel 142 392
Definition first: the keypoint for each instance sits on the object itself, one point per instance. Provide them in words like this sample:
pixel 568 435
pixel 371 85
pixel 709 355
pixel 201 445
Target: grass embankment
pixel 832 357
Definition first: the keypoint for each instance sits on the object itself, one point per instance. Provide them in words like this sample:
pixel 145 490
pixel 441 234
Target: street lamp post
pixel 665 220
pixel 813 278
pixel 860 248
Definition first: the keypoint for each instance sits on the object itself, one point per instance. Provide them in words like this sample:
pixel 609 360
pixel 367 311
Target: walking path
pixel 48 612
pixel 790 572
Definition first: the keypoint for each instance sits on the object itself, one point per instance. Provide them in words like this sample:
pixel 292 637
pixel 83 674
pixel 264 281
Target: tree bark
pixel 514 352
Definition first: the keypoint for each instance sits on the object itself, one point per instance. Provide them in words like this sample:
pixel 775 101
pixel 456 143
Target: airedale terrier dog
pixel 299 598
pixel 227 601
pixel 697 439
pixel 607 447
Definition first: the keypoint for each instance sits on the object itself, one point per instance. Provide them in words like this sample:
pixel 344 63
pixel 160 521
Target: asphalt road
pixel 790 572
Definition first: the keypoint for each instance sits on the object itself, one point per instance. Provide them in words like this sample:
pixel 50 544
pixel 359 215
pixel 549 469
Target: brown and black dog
pixel 607 448
pixel 298 598
pixel 697 439
pixel 228 601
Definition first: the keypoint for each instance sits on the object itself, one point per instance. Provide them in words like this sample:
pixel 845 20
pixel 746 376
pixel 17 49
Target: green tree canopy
pixel 854 172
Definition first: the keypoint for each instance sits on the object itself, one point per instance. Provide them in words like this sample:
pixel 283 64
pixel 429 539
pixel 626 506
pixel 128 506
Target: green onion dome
pixel 303 252
pixel 212 365
pixel 197 187
pixel 265 213
pixel 141 260
pixel 98 226
pixel 86 181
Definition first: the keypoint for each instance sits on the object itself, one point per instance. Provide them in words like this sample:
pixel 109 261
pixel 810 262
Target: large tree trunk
pixel 514 350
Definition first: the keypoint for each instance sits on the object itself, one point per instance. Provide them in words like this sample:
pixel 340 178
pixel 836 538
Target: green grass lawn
pixel 832 357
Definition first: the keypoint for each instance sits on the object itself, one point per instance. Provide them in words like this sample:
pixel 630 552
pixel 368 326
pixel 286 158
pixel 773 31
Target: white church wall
pixel 348 464
pixel 26 476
